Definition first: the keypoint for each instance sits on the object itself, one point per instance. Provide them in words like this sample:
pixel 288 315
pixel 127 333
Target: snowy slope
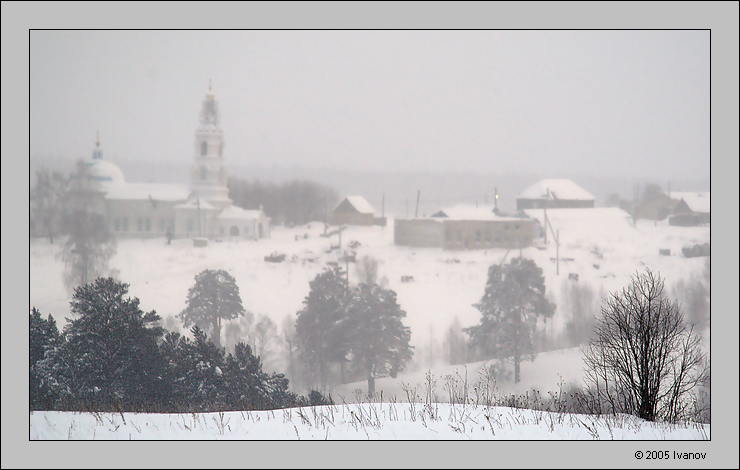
pixel 367 421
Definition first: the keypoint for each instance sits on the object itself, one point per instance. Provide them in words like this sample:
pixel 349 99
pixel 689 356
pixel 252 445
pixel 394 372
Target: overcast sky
pixel 622 103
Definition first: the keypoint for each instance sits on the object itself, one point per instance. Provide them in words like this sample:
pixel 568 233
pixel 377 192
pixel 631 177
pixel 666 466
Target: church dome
pixel 104 172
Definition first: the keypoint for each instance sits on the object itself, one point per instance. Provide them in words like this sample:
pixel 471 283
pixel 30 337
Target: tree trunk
pixel 217 332
pixel 517 352
pixel 370 385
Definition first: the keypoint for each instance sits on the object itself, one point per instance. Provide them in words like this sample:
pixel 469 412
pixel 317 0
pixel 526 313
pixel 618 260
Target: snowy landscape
pixel 441 291
pixel 351 235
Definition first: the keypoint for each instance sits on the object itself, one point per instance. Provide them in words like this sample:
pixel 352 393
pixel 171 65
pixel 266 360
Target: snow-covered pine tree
pixel 111 353
pixel 320 340
pixel 249 387
pixel 213 298
pixel 195 372
pixel 513 300
pixel 43 337
pixel 378 339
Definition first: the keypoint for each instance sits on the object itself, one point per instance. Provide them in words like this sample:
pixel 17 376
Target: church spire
pixel 97 153
pixel 209 111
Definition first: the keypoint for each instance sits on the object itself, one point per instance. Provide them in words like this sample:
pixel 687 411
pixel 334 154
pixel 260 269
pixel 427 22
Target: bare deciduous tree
pixel 644 358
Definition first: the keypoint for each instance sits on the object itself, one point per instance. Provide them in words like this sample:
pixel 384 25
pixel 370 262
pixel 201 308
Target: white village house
pixel 200 209
pixel 557 193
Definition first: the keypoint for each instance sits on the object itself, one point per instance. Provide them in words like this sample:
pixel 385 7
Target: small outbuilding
pixel 692 209
pixel 353 210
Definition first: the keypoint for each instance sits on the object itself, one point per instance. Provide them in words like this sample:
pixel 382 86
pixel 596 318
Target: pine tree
pixel 195 372
pixel 43 337
pixel 213 298
pixel 378 339
pixel 321 342
pixel 513 300
pixel 111 353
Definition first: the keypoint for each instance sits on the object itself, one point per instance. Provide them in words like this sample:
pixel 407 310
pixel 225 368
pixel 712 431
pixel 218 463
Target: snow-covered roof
pixel 697 201
pixel 104 171
pixel 234 212
pixel 559 189
pixel 155 191
pixel 360 204
pixel 193 204
pixel 469 212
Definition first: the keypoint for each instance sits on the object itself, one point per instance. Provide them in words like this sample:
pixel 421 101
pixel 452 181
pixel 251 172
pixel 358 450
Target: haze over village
pixel 364 216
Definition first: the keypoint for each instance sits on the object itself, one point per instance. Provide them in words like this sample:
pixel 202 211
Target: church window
pixel 117 224
pixel 204 148
pixel 203 173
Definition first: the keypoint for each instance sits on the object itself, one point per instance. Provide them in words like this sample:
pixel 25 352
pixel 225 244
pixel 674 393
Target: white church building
pixel 201 209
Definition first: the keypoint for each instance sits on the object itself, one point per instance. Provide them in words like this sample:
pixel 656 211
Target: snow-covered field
pixel 386 421
pixel 444 287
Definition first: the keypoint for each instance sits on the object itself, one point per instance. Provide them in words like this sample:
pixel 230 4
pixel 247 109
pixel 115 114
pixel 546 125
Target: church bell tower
pixel 208 175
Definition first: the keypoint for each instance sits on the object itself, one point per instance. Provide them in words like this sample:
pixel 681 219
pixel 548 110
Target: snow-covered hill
pixel 366 421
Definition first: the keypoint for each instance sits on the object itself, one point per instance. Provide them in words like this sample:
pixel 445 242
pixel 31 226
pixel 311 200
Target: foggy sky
pixel 621 103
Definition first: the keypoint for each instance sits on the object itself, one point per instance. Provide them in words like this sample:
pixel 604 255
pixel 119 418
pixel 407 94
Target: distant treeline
pixel 296 202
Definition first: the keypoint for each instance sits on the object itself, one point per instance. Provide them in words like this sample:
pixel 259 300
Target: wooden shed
pixel 353 210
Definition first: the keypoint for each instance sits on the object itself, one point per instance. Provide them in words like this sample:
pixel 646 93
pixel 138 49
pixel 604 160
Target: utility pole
pixel 418 193
pixel 546 222
pixel 556 235
pixel 557 253
pixel 382 212
pixel 346 263
pixel 635 195
pixel 197 200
